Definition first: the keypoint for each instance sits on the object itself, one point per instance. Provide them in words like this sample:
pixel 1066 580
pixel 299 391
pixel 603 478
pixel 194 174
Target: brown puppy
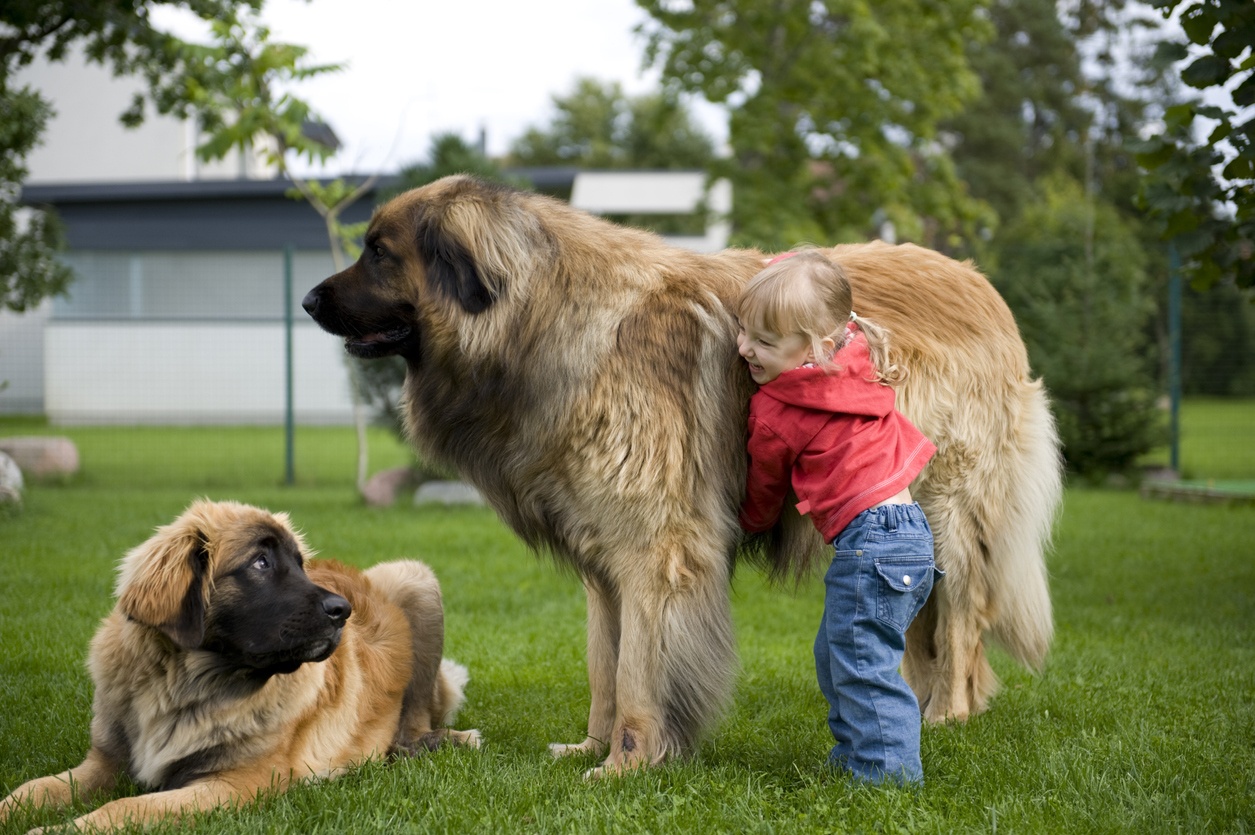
pixel 585 378
pixel 230 666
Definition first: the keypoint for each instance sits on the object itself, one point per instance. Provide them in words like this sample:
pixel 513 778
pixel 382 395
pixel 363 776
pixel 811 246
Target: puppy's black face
pixel 265 614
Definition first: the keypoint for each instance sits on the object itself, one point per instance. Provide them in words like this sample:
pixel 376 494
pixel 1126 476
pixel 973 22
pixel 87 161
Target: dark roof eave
pixel 59 194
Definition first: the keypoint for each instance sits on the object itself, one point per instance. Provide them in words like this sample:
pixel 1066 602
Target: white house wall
pixel 22 360
pixel 121 372
pixel 84 142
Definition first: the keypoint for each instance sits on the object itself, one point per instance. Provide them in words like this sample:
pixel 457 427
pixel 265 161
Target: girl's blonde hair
pixel 803 293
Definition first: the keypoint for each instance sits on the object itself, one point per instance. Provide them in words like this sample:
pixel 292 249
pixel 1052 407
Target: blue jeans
pixel 879 579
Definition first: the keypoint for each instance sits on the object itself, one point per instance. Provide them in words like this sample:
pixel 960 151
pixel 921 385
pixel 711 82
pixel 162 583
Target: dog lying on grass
pixel 231 665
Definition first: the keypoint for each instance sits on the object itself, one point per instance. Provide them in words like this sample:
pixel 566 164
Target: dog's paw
pixel 609 769
pixel 467 739
pixel 589 746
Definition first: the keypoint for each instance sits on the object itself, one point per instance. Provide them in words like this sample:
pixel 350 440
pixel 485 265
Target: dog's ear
pixel 478 241
pixel 453 270
pixel 162 582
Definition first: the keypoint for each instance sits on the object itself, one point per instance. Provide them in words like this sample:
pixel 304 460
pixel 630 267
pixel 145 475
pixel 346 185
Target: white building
pixel 177 314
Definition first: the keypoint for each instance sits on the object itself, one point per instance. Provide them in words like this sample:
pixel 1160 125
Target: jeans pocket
pixel 904 585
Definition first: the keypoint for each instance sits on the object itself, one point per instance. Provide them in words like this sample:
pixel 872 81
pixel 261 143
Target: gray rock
pixel 382 488
pixel 10 480
pixel 447 493
pixel 41 456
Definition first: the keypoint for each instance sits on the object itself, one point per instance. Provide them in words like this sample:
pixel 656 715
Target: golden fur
pixel 178 711
pixel 585 378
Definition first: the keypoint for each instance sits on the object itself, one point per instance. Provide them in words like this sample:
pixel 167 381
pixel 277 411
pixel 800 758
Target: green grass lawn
pixel 1143 719
pixel 1217 440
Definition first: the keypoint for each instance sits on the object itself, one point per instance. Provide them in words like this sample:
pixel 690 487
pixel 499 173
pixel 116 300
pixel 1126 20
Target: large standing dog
pixel 231 666
pixel 585 377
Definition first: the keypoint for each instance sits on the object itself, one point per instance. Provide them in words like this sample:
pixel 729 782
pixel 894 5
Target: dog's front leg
pixel 223 790
pixel 603 665
pixel 635 733
pixel 97 773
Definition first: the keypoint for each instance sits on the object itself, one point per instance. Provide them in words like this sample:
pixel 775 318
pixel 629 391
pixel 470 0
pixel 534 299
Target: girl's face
pixel 770 354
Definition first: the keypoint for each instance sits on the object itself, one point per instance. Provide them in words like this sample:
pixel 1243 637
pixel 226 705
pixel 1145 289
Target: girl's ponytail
pixel 878 347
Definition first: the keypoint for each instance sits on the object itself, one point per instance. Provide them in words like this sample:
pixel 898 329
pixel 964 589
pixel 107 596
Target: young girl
pixel 823 423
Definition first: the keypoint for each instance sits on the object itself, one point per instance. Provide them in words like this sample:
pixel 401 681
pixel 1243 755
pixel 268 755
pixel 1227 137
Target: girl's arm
pixel 767 482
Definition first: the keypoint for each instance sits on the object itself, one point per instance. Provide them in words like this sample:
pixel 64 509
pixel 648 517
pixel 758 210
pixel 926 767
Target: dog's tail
pixel 450 691
pixel 1033 492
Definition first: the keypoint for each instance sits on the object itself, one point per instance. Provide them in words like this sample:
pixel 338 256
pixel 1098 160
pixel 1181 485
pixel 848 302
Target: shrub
pixel 1074 274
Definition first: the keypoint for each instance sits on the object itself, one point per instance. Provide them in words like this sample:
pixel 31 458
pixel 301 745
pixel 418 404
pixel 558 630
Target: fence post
pixel 1174 358
pixel 289 427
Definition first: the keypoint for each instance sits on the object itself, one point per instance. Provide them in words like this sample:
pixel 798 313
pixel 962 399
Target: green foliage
pixel 450 154
pixel 1075 280
pixel 29 238
pixel 1201 194
pixel 597 126
pixel 238 87
pixel 1071 750
pixel 1218 341
pixel 118 35
pixel 834 107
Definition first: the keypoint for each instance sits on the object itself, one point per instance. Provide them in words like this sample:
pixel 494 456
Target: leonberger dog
pixel 231 666
pixel 585 377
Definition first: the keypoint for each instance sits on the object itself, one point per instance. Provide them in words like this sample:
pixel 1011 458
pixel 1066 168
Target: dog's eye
pixel 380 252
pixel 262 563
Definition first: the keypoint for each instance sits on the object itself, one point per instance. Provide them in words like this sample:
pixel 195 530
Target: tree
pixel 119 35
pixel 233 85
pixel 597 126
pixel 834 109
pixel 1202 193
pixel 449 154
pixel 1077 287
pixel 29 241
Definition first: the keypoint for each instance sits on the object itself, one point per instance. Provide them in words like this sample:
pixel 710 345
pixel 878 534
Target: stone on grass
pixel 382 488
pixel 447 493
pixel 42 456
pixel 10 481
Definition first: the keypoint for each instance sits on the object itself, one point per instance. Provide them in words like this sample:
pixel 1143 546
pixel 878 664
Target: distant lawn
pixel 1143 720
pixel 1217 439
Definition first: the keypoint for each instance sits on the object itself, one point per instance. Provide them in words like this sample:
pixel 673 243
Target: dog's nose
pixel 311 302
pixel 337 608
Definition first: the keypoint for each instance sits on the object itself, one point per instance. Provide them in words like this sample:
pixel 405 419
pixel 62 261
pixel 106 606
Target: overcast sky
pixel 419 67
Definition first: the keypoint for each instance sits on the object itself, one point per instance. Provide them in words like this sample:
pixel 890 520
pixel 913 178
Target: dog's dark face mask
pixel 410 261
pixel 267 617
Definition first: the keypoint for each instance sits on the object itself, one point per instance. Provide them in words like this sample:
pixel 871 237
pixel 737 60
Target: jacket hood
pixel 844 391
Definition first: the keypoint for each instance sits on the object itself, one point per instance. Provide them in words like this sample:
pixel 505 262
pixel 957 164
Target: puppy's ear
pixel 162 582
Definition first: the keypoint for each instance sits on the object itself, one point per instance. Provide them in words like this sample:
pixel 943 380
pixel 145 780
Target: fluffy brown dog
pixel 231 666
pixel 585 378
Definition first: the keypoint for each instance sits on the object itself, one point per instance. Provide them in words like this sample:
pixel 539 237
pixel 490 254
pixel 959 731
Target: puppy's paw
pixel 467 739
pixel 441 736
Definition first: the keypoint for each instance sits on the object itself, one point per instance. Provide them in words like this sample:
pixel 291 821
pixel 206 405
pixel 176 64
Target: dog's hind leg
pixel 603 663
pixel 945 661
pixel 991 502
pixel 435 690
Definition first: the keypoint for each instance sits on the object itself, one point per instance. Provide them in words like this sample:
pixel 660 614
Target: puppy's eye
pixel 262 563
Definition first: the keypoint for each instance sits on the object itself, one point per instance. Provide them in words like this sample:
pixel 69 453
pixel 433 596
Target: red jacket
pixel 835 438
